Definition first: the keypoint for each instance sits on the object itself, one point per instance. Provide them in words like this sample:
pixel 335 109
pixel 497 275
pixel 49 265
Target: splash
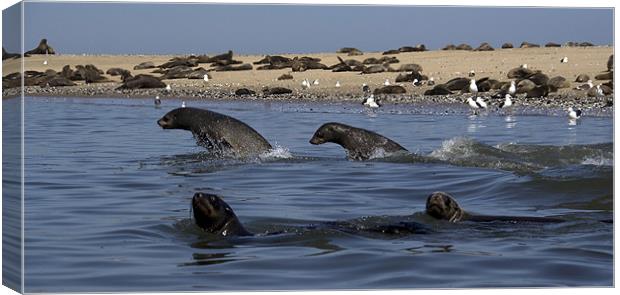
pixel 277 152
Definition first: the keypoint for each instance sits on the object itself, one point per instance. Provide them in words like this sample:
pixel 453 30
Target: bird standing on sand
pixel 183 104
pixel 524 66
pixel 387 82
pixel 599 91
pixel 315 82
pixel 168 88
pixel 564 60
pixel 157 100
pixel 416 82
pixel 513 88
pixel 337 84
pixel 205 77
pixel 507 103
pixel 473 88
pixel 365 88
pixel 574 114
pixel 370 102
pixel 305 84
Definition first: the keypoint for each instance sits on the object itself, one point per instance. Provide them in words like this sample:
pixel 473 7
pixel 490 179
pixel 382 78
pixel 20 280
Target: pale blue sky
pixel 118 28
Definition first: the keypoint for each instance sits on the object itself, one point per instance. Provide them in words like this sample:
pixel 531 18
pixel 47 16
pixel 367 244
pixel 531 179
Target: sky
pixel 144 28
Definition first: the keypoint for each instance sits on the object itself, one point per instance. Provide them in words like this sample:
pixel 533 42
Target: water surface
pixel 107 200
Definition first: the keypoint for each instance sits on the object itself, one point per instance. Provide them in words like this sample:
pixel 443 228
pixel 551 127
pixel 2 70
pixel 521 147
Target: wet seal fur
pixel 213 215
pixel 442 206
pixel 360 144
pixel 217 132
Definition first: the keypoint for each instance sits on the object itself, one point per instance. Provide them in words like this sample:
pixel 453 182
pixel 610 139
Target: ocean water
pixel 107 200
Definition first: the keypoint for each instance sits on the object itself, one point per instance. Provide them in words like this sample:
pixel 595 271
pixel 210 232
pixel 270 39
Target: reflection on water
pixel 108 200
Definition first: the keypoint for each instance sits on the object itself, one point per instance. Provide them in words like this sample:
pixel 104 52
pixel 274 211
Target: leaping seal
pixel 360 144
pixel 219 133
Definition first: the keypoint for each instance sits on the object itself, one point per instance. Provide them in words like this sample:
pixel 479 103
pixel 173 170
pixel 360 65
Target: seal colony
pixel 186 75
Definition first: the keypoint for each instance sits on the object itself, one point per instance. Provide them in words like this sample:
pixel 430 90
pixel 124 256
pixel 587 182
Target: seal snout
pixel 316 140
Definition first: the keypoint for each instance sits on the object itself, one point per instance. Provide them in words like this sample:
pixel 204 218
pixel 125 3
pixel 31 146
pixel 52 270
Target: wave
pixel 554 161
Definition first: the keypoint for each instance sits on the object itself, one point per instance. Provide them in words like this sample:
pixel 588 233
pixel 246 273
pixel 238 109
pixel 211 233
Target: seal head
pixel 213 215
pixel 360 144
pixel 442 206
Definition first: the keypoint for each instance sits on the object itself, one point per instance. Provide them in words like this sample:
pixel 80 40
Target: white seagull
pixel 574 114
pixel 599 91
pixel 473 88
pixel 416 82
pixel 315 82
pixel 337 84
pixel 206 78
pixel 507 103
pixel 564 60
pixel 524 66
pixel 305 84
pixel 481 103
pixel 473 105
pixel 183 104
pixel 513 88
pixel 157 100
pixel 168 88
pixel 370 102
pixel 387 82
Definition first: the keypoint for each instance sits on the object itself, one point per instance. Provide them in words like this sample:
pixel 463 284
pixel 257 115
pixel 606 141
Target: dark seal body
pixel 217 132
pixel 213 215
pixel 360 144
pixel 442 206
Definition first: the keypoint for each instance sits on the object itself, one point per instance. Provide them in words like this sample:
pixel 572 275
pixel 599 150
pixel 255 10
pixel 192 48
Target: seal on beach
pixel 43 48
pixel 140 82
pixel 7 55
pixel 360 144
pixel 217 132
pixel 441 205
pixel 213 215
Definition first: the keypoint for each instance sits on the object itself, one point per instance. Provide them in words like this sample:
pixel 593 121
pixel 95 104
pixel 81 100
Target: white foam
pixel 277 152
pixel 598 161
pixel 452 149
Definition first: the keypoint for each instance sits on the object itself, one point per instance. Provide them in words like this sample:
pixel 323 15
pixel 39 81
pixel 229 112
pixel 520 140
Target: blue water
pixel 107 200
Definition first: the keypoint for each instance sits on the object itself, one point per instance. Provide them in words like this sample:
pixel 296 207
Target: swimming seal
pixel 441 205
pixel 217 132
pixel 360 144
pixel 213 215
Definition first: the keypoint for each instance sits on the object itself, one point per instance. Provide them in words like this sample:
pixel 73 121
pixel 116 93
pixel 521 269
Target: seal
pixel 43 48
pixel 443 206
pixel 360 144
pixel 215 216
pixel 217 132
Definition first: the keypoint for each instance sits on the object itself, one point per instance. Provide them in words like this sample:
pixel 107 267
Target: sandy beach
pixel 439 64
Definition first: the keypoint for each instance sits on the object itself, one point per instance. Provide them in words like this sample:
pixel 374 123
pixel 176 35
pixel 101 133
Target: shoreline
pixel 592 106
pixel 442 65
